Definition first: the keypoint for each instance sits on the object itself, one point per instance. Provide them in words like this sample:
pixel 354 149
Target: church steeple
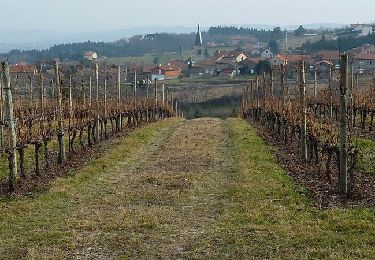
pixel 198 39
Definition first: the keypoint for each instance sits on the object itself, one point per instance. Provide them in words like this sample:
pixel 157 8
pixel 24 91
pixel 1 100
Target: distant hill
pixel 41 39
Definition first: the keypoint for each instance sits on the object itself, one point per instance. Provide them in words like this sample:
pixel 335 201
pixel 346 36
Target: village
pixel 247 57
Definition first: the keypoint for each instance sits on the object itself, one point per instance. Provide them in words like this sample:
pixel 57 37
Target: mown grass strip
pixel 36 227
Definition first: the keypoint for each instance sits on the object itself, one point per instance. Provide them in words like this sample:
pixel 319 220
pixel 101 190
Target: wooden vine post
pixel 156 93
pixel 282 80
pixel 330 89
pixel 257 97
pixel 42 119
pixel 272 87
pixel 351 96
pixel 163 94
pixel 119 97
pixel 172 102
pixel 302 91
pixel 315 85
pixel 70 113
pixel 1 115
pixel 90 93
pixel 60 115
pixel 135 90
pixel 97 103
pixel 11 125
pixel 343 176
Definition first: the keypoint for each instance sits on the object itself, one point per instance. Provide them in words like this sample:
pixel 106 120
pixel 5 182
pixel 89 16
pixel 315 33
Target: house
pixel 23 68
pixel 278 60
pixel 362 29
pixel 366 49
pixel 363 57
pixel 248 66
pixel 90 55
pixel 165 72
pixel 233 57
pixel 266 54
pixel 323 66
pixel 229 71
pixel 364 62
pixel 147 71
pixel 333 56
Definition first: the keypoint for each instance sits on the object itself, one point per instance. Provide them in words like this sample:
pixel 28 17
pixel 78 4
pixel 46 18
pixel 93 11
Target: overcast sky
pixel 96 15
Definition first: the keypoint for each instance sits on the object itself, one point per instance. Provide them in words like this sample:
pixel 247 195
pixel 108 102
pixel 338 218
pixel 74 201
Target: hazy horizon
pixel 103 15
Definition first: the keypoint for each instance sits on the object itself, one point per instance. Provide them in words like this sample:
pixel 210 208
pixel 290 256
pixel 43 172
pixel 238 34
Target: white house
pixel 90 55
pixel 362 29
pixel 266 54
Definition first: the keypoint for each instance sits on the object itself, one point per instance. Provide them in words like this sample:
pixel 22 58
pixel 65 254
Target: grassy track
pixel 200 189
pixel 366 160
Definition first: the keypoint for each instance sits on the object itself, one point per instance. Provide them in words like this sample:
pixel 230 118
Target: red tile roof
pixel 365 57
pixel 22 68
pixel 328 55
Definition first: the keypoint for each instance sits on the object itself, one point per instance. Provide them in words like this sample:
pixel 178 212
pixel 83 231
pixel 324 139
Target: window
pixel 199 52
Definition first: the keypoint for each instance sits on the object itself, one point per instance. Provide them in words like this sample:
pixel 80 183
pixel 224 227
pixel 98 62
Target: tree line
pixel 341 43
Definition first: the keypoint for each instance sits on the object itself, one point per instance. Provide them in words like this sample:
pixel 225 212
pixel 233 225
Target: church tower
pixel 199 48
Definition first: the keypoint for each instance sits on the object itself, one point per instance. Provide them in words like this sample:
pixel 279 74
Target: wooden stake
pixel 11 123
pixel 163 93
pixel 135 89
pixel 302 87
pixel 60 115
pixel 343 177
pixel 156 92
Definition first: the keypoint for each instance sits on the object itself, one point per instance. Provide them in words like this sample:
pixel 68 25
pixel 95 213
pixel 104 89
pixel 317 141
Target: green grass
pixel 41 227
pixel 271 217
pixel 366 160
pixel 202 189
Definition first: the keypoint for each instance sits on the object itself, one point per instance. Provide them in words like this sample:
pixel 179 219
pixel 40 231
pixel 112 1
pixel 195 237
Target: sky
pixel 101 15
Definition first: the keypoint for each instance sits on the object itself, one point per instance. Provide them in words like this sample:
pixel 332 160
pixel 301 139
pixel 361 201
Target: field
pixel 182 189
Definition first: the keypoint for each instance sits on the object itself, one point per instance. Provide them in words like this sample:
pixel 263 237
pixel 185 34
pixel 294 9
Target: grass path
pixel 200 189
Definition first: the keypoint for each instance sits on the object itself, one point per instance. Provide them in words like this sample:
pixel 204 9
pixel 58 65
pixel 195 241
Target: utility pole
pixel 11 125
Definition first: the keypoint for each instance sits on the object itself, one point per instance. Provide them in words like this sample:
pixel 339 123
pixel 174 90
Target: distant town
pixel 227 52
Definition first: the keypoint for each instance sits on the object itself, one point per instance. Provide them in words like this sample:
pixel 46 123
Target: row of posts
pixel 343 100
pixel 7 111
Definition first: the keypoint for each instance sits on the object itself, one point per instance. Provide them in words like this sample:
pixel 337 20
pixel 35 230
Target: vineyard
pixel 54 114
pixel 315 128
